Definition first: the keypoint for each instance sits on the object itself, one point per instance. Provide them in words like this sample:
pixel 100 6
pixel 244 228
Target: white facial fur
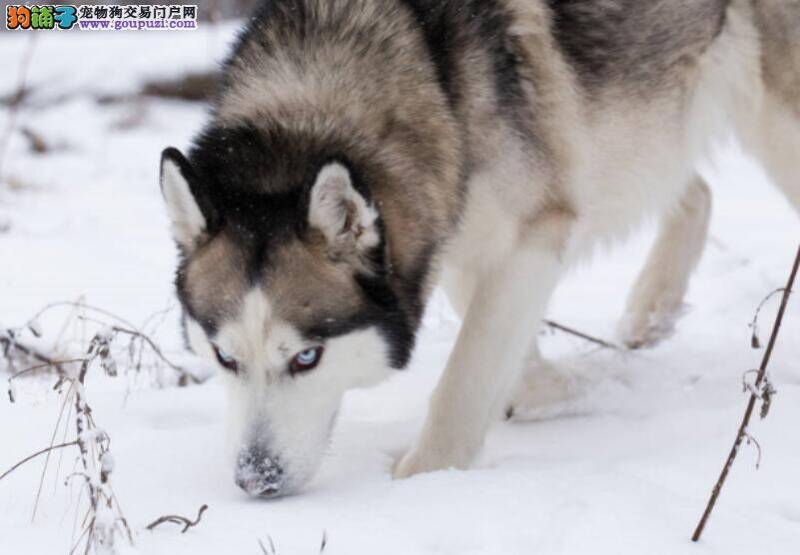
pixel 288 417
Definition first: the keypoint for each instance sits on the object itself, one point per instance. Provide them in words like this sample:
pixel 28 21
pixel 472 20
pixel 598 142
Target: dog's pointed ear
pixel 340 212
pixel 177 177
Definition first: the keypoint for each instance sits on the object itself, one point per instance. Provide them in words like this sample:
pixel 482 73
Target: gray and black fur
pixel 252 176
pixel 482 144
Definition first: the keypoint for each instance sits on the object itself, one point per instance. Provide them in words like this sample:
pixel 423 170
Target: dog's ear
pixel 341 213
pixel 178 188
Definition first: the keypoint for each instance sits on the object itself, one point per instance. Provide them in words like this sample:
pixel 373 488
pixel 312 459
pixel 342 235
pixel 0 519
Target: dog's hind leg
pixel 777 145
pixel 773 135
pixel 656 299
pixel 540 386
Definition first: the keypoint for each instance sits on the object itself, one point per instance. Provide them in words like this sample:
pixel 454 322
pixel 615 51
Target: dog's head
pixel 285 286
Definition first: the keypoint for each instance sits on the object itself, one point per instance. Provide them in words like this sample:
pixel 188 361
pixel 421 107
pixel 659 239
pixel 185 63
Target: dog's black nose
pixel 258 473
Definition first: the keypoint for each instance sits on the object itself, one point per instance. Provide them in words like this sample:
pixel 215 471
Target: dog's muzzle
pixel 259 474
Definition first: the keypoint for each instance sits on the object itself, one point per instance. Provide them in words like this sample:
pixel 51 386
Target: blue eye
pixel 226 360
pixel 305 361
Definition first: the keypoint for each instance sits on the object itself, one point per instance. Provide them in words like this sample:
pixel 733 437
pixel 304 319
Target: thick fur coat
pixel 361 152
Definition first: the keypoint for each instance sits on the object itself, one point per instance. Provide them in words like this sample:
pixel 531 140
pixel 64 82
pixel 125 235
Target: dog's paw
pixel 648 326
pixel 407 466
pixel 415 462
pixel 540 388
pixel 434 454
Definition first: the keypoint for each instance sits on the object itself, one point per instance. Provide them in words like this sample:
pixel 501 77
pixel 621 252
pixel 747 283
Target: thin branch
pixel 762 375
pixel 16 100
pixel 157 351
pixel 57 364
pixel 755 341
pixel 38 453
pixel 264 547
pixel 83 305
pixel 123 326
pixel 750 439
pixel 185 374
pixel 601 342
pixel 47 459
pixel 10 343
pixel 177 519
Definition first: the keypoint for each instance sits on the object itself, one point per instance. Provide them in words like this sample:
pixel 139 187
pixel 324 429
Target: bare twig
pixel 103 522
pixel 8 343
pixel 177 519
pixel 36 142
pixel 264 547
pixel 120 326
pixel 93 445
pixel 99 531
pixel 16 100
pixel 185 375
pixel 36 454
pixel 82 305
pixel 751 440
pixel 601 342
pixel 50 364
pixel 755 341
pixel 64 405
pixel 760 380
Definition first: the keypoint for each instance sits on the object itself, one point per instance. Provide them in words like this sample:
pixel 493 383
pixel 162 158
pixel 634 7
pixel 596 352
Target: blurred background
pixel 83 119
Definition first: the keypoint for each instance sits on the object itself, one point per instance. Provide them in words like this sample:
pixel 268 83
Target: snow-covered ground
pixel 623 468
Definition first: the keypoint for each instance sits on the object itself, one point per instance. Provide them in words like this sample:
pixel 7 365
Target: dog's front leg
pixel 499 325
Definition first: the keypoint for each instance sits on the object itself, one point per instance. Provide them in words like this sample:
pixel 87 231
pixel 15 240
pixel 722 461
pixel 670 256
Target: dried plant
pixel 177 519
pixel 269 547
pixel 602 343
pixel 103 524
pixel 136 343
pixel 103 521
pixel 760 390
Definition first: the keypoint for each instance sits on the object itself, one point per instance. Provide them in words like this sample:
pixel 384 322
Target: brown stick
pixel 585 337
pixel 177 519
pixel 742 434
pixel 31 457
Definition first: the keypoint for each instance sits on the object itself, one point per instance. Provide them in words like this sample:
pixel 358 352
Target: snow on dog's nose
pixel 258 474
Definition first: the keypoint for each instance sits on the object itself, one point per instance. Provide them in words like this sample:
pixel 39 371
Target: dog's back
pixel 774 134
pixel 639 46
pixel 779 25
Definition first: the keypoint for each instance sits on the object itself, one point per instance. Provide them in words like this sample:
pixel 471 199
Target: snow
pixel 107 463
pixel 622 466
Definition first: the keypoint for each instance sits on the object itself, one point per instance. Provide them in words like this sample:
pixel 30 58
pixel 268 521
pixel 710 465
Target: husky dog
pixel 361 152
